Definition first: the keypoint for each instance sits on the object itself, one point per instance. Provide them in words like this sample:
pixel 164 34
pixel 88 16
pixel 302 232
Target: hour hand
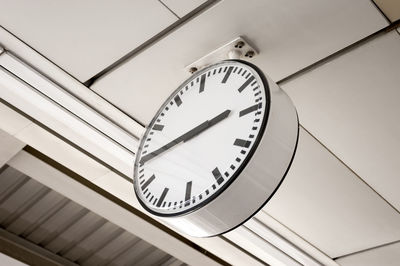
pixel 187 136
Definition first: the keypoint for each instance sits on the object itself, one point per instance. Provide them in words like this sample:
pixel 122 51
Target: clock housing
pixel 262 159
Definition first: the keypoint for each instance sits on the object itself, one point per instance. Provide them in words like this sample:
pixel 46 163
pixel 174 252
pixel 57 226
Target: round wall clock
pixel 217 149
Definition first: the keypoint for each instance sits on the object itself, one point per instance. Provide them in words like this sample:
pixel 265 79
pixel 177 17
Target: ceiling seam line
pixel 339 53
pixel 45 57
pixel 381 11
pixel 118 108
pixel 167 7
pixel 156 38
pixel 351 170
pixel 367 249
pixel 83 181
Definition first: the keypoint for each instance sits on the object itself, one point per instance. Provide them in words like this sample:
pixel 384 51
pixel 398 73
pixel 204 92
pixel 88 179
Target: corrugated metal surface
pixel 42 216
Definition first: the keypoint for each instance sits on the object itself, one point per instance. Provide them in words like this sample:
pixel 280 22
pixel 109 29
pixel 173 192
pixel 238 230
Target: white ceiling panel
pixel 289 36
pixel 351 104
pixel 182 7
pixel 388 255
pixel 325 203
pixel 84 37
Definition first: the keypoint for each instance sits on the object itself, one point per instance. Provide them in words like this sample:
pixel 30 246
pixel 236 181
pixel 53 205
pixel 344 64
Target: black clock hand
pixel 187 136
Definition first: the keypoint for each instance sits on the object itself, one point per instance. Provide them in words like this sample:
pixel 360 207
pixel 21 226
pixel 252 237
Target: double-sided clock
pixel 216 150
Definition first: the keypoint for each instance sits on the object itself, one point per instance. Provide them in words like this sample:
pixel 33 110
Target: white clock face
pixel 201 138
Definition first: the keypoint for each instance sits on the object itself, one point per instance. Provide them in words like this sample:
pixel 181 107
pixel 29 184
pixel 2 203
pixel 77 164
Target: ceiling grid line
pixel 159 36
pixel 339 53
pixel 351 170
pixel 381 11
pixel 42 55
pixel 169 9
pixel 367 249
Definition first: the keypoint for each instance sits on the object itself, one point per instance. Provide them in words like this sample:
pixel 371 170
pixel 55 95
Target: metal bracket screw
pixel 239 44
pixel 249 54
pixel 192 70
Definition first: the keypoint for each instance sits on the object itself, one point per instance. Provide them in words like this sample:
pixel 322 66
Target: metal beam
pixel 28 252
pixel 55 176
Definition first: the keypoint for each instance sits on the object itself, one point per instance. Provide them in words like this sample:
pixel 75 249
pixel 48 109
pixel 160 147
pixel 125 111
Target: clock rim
pixel 273 192
pixel 240 168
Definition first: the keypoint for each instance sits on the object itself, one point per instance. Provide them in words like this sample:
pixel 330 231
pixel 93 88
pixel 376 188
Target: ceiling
pixel 294 35
pixel 333 58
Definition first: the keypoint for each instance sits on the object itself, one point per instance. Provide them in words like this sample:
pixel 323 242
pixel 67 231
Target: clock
pixel 216 150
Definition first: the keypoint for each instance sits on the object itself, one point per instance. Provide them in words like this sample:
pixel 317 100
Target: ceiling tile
pixel 351 104
pixel 84 37
pixel 289 37
pixel 391 8
pixel 182 7
pixel 387 255
pixel 326 204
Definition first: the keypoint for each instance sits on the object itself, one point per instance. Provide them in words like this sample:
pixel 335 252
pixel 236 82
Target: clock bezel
pixel 235 175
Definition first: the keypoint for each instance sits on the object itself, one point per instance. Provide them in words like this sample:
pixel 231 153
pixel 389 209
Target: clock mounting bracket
pixel 238 48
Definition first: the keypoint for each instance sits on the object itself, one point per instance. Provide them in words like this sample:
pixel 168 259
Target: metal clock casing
pixel 253 182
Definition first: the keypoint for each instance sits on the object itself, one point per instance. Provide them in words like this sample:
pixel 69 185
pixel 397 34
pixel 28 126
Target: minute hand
pixel 187 136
